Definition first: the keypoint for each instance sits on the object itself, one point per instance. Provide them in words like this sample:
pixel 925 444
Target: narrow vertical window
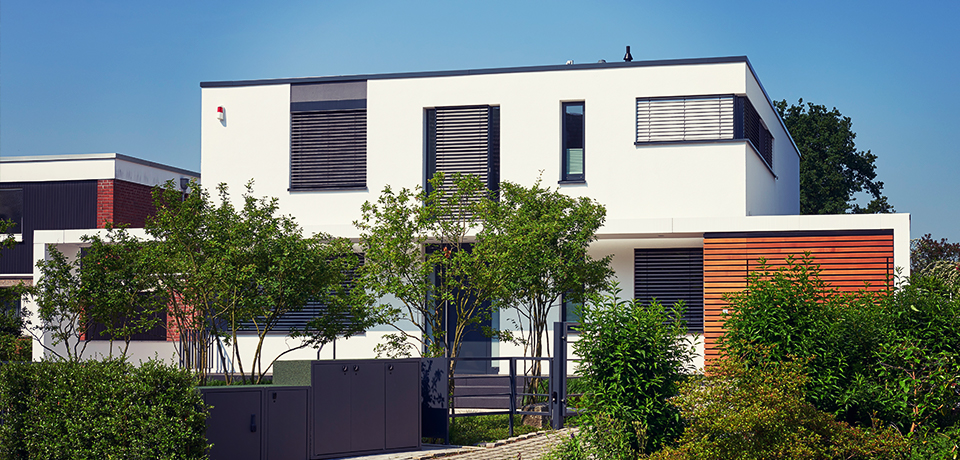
pixel 572 158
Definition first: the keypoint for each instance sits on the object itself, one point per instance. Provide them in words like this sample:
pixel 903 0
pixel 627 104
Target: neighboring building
pixel 56 199
pixel 697 171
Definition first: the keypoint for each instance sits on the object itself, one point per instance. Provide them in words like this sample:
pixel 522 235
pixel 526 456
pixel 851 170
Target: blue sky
pixel 97 76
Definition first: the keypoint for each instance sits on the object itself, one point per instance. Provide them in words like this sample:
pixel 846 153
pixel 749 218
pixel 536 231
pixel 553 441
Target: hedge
pixel 100 409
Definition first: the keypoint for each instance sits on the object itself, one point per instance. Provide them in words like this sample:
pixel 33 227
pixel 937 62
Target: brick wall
pixel 105 194
pixel 123 202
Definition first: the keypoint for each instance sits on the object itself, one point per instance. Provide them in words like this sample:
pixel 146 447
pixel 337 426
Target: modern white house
pixel 697 172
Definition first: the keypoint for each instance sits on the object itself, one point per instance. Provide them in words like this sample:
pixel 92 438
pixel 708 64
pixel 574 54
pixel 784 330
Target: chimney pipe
pixel 627 57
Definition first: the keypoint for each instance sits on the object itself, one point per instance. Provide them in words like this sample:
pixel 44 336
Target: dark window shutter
pixel 328 149
pixel 299 319
pixel 754 130
pixel 670 275
pixel 464 140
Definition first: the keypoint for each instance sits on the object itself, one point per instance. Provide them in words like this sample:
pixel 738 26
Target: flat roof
pixel 455 73
pixel 97 156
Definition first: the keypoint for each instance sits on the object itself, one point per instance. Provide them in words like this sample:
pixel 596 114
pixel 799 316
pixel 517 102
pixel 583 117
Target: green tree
pixel 633 360
pixel 832 170
pixel 228 267
pixel 12 345
pixel 925 251
pixel 60 307
pixel 539 239
pixel 119 288
pixel 417 250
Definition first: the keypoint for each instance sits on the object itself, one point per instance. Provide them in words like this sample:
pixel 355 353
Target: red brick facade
pixel 123 202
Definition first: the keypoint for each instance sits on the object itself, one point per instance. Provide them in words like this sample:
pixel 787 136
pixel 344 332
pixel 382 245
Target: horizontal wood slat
pixel 846 261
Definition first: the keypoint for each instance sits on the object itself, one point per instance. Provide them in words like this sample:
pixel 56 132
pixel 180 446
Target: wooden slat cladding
pixel 685 119
pixel 464 140
pixel 848 259
pixel 328 149
pixel 670 275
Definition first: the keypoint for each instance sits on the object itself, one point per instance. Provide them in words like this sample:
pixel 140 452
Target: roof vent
pixel 627 57
pixel 602 61
pixel 570 62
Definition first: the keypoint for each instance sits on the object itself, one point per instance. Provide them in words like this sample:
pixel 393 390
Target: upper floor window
pixel 572 152
pixel 697 118
pixel 465 140
pixel 328 136
pixel 328 149
pixel 11 208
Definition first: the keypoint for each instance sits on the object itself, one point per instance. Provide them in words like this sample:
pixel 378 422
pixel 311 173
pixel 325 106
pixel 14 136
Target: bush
pixel 791 312
pixel 633 359
pixel 742 411
pixel 95 410
pixel 890 355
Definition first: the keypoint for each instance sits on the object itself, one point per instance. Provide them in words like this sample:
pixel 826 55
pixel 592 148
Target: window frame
pixel 565 177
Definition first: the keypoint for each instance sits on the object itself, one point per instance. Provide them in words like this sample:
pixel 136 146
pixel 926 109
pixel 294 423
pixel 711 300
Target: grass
pixel 469 431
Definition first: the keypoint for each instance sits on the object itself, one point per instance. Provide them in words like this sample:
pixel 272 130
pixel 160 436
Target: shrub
pixel 890 355
pixel 791 312
pixel 743 411
pixel 94 410
pixel 633 358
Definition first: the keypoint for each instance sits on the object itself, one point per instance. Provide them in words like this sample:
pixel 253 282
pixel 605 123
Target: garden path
pixel 529 446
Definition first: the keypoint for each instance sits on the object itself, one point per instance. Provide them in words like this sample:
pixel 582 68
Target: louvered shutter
pixel 685 119
pixel 299 319
pixel 464 140
pixel 754 130
pixel 328 149
pixel 670 275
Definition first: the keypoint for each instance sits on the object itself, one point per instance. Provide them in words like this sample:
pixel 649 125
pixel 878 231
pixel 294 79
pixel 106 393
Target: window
pixel 670 275
pixel 571 309
pixel 328 149
pixel 299 319
pixel 464 140
pixel 572 159
pixel 699 118
pixel 11 208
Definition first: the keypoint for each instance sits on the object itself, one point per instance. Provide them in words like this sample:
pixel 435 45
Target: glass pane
pixel 574 109
pixel 574 162
pixel 11 207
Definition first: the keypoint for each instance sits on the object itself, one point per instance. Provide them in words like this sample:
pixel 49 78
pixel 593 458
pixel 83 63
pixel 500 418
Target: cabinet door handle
pixel 356 368
pixel 253 423
pixel 390 367
pixel 345 368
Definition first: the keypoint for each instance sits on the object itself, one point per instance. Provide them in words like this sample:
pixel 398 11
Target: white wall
pixel 680 180
pixel 94 166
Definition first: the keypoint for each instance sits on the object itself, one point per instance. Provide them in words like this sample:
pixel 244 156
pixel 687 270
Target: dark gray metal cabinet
pixel 402 405
pixel 254 422
pixel 286 423
pixel 235 423
pixel 365 406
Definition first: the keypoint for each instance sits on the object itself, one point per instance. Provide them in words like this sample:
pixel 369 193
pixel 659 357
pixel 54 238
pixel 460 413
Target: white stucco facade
pixel 663 194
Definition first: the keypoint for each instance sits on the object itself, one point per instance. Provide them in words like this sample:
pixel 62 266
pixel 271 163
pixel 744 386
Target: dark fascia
pixel 457 73
pixel 528 69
